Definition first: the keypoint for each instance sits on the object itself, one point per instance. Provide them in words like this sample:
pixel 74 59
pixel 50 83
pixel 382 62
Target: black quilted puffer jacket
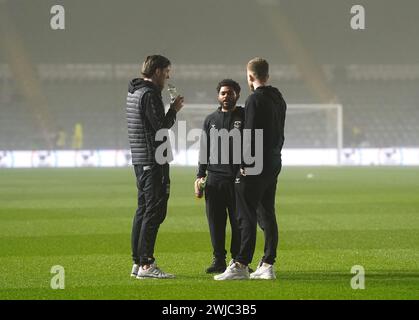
pixel 145 116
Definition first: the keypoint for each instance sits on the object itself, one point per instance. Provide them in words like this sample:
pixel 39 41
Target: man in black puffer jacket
pixel 145 118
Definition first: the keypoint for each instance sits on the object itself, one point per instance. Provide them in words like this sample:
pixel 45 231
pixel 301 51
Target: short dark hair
pixel 229 83
pixel 259 67
pixel 152 63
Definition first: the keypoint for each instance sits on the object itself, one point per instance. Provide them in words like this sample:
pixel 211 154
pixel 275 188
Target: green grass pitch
pixel 81 219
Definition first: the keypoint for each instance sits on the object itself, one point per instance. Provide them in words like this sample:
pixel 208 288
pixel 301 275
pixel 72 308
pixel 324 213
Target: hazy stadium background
pixel 330 218
pixel 51 80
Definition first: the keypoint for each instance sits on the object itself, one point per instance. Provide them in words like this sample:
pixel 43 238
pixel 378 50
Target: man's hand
pixel 177 104
pixel 198 187
pixel 243 172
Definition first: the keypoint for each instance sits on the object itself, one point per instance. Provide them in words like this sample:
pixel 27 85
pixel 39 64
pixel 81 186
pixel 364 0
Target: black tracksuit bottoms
pixel 220 201
pixel 153 185
pixel 256 205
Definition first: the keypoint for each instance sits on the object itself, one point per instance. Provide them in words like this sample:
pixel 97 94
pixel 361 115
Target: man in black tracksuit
pixel 145 117
pixel 219 189
pixel 265 110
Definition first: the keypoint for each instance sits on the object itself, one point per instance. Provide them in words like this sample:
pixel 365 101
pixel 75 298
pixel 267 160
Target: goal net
pixel 315 126
pixel 310 130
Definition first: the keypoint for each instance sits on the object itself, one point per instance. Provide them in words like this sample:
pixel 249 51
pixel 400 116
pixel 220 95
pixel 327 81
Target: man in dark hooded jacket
pixel 145 118
pixel 265 111
pixel 220 199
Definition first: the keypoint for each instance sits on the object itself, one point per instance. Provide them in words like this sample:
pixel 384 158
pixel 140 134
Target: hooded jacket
pixel 220 120
pixel 265 109
pixel 145 116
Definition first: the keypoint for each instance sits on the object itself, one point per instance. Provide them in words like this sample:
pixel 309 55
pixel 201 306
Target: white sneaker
pixel 153 272
pixel 264 271
pixel 134 270
pixel 234 272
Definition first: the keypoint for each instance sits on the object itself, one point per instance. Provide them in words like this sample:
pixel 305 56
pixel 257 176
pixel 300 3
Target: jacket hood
pixel 272 92
pixel 139 83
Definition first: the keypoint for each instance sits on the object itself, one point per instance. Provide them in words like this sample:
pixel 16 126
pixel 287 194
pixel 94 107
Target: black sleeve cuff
pixel 202 172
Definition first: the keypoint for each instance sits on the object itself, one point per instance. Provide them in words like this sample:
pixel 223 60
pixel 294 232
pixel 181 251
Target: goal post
pixel 312 131
pixel 315 126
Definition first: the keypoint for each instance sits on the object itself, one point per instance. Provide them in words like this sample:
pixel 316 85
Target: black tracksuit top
pixel 221 120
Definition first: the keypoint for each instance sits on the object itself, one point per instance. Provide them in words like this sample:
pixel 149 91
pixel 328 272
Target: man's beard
pixel 161 84
pixel 251 87
pixel 229 106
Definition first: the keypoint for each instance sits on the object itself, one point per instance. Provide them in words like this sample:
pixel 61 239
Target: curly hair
pixel 229 83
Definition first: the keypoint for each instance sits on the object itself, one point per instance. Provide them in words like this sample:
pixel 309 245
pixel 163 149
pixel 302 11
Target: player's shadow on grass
pixel 339 275
pixel 391 275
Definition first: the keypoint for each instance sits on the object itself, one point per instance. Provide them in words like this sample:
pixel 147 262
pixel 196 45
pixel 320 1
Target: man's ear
pixel 250 77
pixel 158 72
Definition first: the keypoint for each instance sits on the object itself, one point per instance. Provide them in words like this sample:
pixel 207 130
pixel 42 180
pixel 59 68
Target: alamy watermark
pixel 358 280
pixel 58 280
pixel 358 18
pixel 57 21
pixel 247 146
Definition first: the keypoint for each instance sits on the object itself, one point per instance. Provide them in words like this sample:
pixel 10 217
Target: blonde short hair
pixel 259 68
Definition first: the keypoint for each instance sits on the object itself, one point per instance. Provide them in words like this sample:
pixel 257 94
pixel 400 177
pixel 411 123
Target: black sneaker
pixel 217 266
